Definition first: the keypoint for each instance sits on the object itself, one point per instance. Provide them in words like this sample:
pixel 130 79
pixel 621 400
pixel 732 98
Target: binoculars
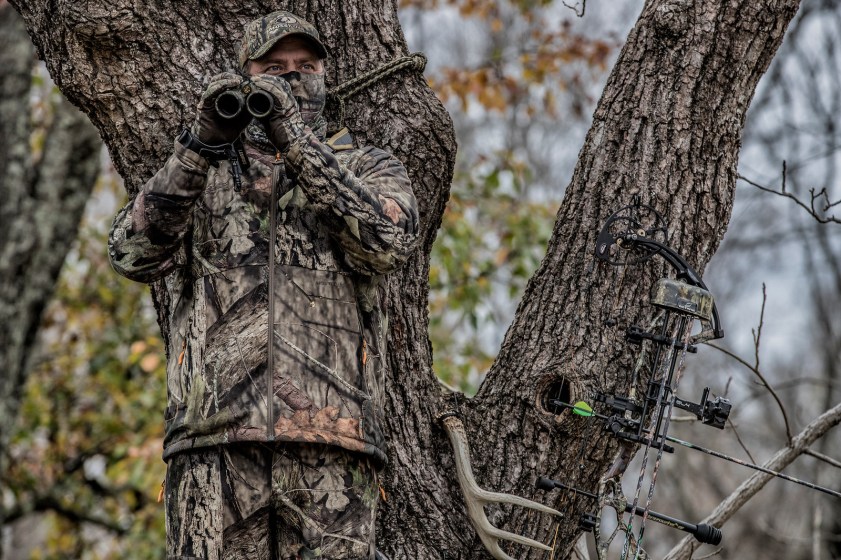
pixel 231 103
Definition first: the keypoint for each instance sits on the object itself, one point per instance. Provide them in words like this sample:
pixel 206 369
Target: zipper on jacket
pixel 270 417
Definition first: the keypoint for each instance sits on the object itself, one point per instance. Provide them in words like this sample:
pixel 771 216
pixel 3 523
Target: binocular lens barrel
pixel 230 103
pixel 259 103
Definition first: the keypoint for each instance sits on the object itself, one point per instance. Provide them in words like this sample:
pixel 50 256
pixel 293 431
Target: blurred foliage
pixel 495 231
pixel 491 241
pixel 87 447
pixel 530 76
pixel 531 62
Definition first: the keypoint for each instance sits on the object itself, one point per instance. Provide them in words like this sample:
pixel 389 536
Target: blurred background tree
pixel 87 446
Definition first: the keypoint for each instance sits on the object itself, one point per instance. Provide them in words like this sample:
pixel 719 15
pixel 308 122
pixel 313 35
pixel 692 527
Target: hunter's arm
pixel 149 231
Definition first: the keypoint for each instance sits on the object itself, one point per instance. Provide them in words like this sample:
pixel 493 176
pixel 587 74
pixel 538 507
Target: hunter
pixel 270 242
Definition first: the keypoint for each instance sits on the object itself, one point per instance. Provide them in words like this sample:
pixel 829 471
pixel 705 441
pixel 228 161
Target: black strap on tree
pixel 415 61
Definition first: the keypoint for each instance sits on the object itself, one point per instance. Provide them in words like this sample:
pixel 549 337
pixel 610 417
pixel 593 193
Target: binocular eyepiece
pixel 231 103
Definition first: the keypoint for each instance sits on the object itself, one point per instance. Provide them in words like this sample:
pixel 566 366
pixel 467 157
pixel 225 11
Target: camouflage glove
pixel 284 122
pixel 209 127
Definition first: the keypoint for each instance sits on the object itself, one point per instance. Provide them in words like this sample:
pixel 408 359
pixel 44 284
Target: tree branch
pixel 51 503
pixel 825 458
pixel 785 456
pixel 574 8
pixel 761 378
pixel 821 197
pixel 739 439
pixel 755 367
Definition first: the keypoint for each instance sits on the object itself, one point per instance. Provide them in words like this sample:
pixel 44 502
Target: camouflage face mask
pixel 310 93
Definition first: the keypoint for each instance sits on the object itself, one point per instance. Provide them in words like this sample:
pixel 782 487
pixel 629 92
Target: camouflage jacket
pixel 344 217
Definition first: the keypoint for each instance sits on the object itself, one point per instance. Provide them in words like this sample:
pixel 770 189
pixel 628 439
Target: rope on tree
pixel 415 61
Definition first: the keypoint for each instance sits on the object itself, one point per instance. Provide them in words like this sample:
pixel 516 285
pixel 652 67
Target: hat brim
pixel 316 45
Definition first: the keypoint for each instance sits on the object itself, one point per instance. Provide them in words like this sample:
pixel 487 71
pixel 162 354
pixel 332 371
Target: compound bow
pixel 633 235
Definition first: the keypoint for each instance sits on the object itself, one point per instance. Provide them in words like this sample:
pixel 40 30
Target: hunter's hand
pixel 284 119
pixel 210 127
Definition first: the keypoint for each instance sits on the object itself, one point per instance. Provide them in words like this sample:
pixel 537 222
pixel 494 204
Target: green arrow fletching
pixel 582 409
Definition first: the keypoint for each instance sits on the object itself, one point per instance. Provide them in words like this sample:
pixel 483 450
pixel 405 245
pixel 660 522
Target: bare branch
pixel 741 443
pixel 762 379
pixel 49 502
pixel 825 458
pixel 817 197
pixel 575 8
pixel 757 334
pixel 726 509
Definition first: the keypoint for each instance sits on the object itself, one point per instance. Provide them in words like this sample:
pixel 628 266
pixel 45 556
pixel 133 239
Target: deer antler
pixel 475 498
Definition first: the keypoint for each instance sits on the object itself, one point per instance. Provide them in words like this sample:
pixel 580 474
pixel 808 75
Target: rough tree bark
pixel 667 129
pixel 41 204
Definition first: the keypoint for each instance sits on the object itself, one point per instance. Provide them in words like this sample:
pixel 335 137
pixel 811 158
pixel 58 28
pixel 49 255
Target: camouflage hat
pixel 261 34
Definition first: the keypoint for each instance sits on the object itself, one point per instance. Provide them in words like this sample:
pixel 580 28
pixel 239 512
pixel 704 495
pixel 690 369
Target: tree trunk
pixel 667 129
pixel 41 204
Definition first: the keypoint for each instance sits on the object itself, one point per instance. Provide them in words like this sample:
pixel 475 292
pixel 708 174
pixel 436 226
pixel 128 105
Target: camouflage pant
pixel 250 501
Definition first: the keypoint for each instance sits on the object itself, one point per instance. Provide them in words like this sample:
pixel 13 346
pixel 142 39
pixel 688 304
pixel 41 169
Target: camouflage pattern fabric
pixel 262 503
pixel 262 33
pixel 310 94
pixel 344 218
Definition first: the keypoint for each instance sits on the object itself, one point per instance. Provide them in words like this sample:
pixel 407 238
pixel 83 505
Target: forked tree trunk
pixel 667 129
